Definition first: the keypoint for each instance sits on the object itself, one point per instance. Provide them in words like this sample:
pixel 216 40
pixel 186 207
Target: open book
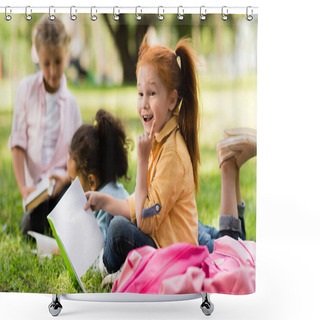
pixel 77 232
pixel 44 190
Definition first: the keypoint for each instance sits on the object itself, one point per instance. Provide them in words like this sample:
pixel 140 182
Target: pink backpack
pixel 182 268
pixel 230 269
pixel 146 268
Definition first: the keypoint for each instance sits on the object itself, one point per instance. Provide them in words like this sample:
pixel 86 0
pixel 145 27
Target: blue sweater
pixel 115 190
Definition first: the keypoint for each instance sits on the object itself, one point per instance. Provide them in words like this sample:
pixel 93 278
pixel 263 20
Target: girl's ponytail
pixel 188 92
pixel 105 145
pixel 113 146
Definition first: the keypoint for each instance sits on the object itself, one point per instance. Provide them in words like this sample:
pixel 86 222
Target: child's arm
pixel 141 191
pixel 18 156
pixel 102 201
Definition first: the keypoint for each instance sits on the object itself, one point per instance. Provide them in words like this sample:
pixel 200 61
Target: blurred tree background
pixel 105 52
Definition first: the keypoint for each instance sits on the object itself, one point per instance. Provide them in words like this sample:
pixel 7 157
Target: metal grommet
pixel 180 13
pixel 51 16
pixel 7 16
pixel 138 16
pixel 116 14
pixel 249 17
pixel 73 17
pixel 160 15
pixel 93 16
pixel 224 13
pixel 203 13
pixel 28 16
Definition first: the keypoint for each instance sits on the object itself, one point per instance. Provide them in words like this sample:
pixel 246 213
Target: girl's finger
pixel 152 128
pixel 86 207
pixel 88 204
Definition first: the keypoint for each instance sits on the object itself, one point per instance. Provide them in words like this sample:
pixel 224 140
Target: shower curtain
pixel 100 73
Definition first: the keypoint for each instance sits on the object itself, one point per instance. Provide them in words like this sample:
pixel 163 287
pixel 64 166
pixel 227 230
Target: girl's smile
pixel 147 118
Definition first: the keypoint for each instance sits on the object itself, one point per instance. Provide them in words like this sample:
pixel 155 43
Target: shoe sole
pixel 233 143
pixel 239 132
pixel 236 140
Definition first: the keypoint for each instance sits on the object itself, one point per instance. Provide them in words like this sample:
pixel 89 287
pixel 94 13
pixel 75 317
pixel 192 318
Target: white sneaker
pixel 111 278
pixel 102 267
pixel 98 265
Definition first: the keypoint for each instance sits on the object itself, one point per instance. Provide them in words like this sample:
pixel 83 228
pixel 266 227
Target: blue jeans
pixel 122 237
pixel 228 225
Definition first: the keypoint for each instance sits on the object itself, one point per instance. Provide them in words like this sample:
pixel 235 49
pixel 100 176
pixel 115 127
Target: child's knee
pixel 115 235
pixel 116 227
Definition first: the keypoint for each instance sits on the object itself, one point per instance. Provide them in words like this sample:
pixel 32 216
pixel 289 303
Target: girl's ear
pixel 93 183
pixel 173 99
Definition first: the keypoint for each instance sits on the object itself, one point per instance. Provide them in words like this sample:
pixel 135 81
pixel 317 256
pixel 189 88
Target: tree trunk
pixel 121 34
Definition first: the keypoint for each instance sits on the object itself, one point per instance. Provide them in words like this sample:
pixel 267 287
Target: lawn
pixel 22 271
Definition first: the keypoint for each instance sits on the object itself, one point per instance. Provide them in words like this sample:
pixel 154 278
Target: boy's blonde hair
pixel 50 33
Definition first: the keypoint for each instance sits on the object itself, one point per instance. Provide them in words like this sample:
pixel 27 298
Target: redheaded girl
pixel 162 209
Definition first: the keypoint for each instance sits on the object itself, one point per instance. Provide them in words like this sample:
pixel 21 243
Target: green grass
pixel 22 271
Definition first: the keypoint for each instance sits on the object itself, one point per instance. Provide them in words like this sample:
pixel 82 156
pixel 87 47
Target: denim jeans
pixel 228 225
pixel 122 237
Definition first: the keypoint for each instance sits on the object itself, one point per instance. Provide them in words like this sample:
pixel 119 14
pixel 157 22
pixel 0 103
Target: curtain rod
pixel 249 11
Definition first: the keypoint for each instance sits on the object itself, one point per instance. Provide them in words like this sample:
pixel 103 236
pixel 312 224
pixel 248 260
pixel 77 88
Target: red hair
pixel 184 79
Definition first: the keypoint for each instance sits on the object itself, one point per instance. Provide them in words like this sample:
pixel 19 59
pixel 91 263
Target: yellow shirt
pixel 170 212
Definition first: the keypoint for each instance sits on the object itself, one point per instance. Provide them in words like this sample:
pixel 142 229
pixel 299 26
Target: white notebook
pixel 76 231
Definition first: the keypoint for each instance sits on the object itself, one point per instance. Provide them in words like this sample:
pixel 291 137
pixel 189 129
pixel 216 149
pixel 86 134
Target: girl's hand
pixel 144 144
pixel 141 191
pixel 61 182
pixel 25 191
pixel 95 201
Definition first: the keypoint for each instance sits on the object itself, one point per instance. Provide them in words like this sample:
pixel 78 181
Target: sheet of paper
pixel 45 244
pixel 77 229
